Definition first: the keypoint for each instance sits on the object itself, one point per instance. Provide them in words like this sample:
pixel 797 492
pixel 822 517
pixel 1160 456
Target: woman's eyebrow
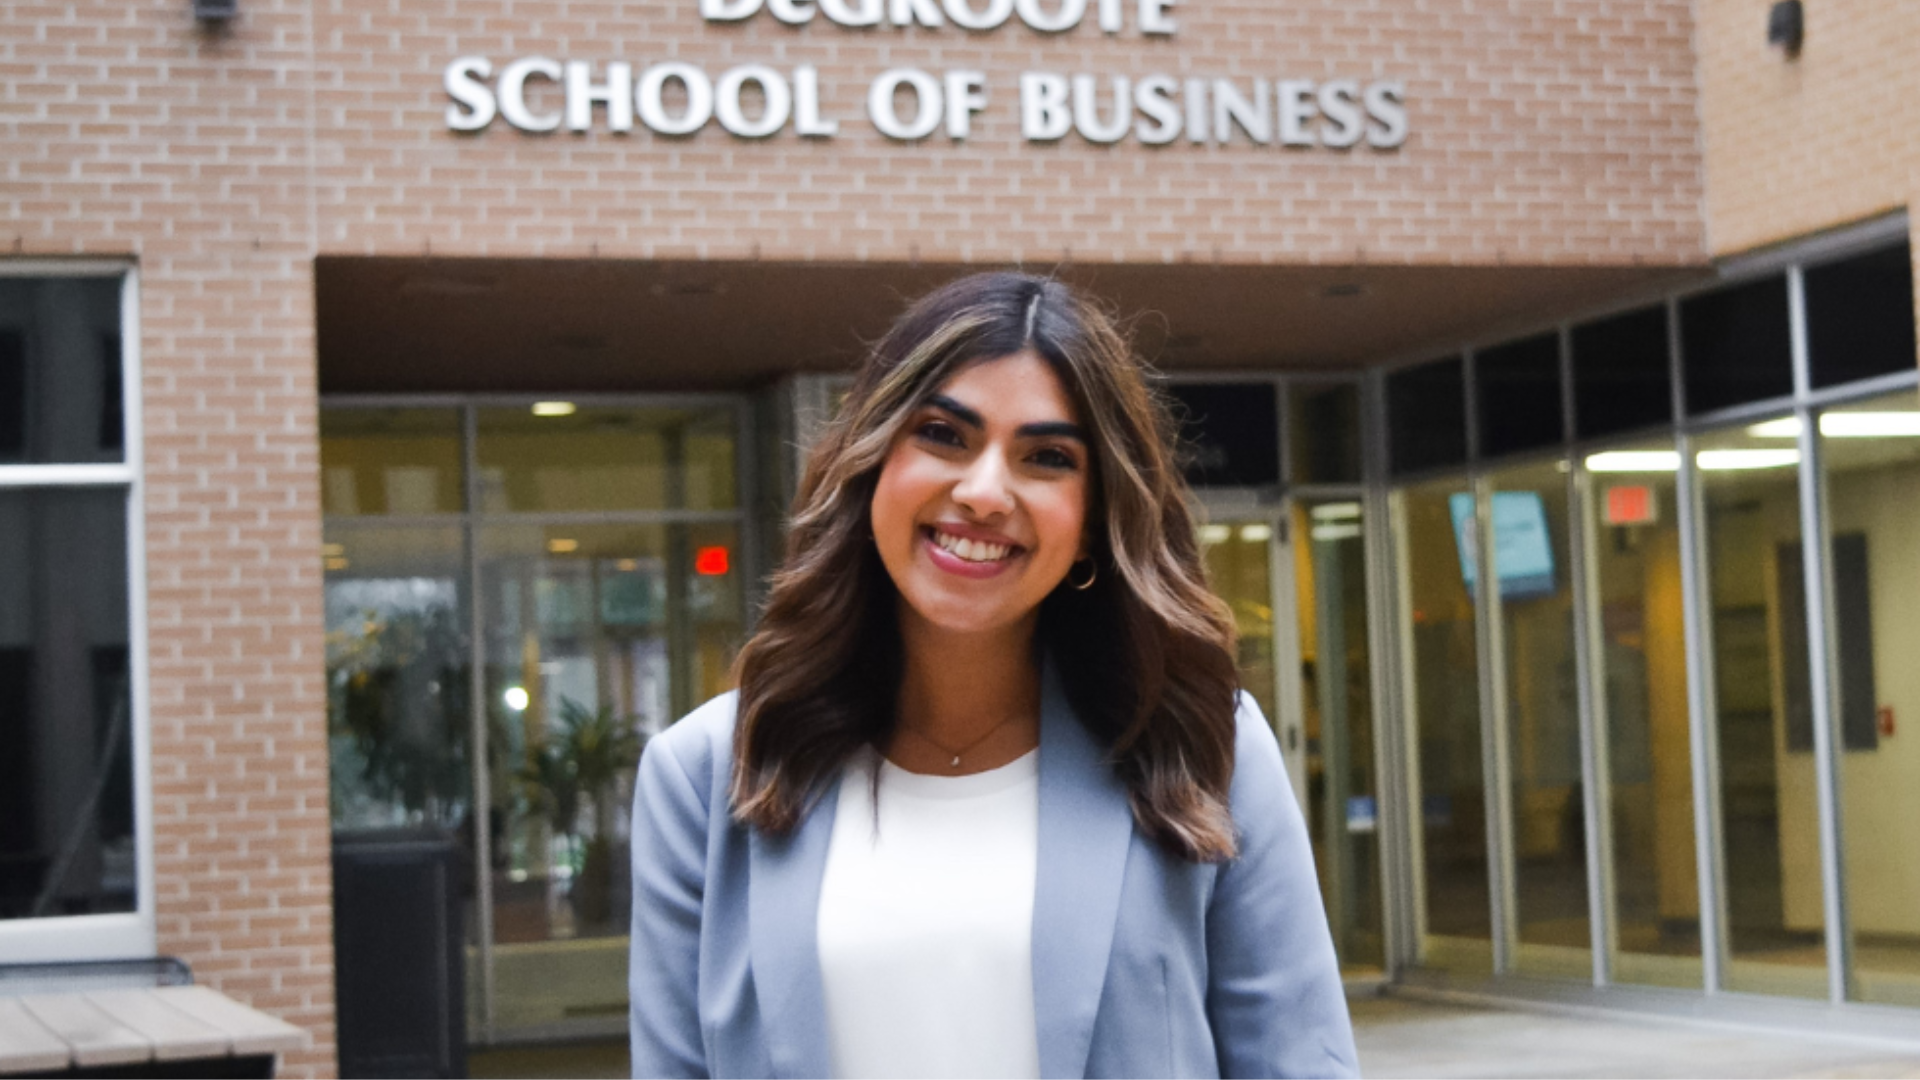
pixel 1046 429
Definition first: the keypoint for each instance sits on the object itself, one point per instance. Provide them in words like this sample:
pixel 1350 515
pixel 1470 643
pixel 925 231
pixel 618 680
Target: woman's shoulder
pixel 700 743
pixel 1260 780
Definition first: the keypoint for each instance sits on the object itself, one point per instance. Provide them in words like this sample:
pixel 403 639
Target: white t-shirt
pixel 926 922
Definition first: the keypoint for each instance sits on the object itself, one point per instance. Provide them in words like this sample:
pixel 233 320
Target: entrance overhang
pixel 422 325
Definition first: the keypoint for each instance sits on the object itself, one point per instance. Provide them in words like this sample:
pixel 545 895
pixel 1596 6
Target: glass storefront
pixel 1668 636
pixel 514 612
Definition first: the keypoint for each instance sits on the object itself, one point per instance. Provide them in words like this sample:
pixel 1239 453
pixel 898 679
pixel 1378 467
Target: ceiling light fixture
pixel 554 408
pixel 1845 425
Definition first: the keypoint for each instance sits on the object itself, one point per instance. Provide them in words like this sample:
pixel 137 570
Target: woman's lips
pixel 967 568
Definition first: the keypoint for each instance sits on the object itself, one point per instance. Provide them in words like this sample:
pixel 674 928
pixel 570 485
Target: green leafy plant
pixel 578 766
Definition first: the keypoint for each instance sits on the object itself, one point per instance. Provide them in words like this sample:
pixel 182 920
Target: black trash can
pixel 399 953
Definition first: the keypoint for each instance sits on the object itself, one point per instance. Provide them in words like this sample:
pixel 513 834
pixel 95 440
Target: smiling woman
pixel 988 801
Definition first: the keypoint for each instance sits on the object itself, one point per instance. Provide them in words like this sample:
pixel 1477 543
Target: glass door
pixel 1300 606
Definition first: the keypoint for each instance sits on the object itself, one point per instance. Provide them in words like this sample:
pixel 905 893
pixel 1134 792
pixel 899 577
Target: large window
pixel 75 849
pixel 1665 744
pixel 517 595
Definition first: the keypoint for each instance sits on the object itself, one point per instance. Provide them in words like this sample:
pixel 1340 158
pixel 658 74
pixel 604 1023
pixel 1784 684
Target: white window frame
pixel 125 934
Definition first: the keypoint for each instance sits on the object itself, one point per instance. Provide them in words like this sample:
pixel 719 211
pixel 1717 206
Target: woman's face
pixel 981 505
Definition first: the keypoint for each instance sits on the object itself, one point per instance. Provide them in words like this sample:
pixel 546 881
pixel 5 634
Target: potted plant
pixel 577 767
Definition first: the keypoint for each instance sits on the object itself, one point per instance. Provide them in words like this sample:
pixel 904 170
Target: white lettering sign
pixel 539 94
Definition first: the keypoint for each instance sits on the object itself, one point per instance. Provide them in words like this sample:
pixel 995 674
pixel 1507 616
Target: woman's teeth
pixel 971 550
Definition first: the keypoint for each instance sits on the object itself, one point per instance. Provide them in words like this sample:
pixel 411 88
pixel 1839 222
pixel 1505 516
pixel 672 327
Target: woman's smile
pixel 968 552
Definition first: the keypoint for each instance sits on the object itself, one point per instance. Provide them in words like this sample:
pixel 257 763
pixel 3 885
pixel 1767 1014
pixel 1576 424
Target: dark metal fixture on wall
pixel 215 11
pixel 1787 26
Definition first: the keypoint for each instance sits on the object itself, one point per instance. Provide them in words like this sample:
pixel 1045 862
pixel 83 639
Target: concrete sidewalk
pixel 1407 1037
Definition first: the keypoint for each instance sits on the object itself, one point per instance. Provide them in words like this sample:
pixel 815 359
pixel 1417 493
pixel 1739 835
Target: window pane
pixel 60 393
pixel 66 773
pixel 1860 316
pixel 1735 345
pixel 1769 817
pixel 1871 453
pixel 596 636
pixel 1446 721
pixel 1336 672
pixel 1427 416
pixel 1519 395
pixel 1621 377
pixel 398 718
pixel 1543 720
pixel 1230 433
pixel 390 461
pixel 1642 659
pixel 1324 430
pixel 606 459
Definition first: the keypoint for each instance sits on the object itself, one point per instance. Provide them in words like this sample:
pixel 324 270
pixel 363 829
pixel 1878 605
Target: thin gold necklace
pixel 963 751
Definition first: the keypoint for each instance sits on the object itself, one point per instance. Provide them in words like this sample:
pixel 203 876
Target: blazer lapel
pixel 783 906
pixel 1086 827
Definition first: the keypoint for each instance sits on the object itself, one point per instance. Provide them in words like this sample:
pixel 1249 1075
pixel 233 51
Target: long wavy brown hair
pixel 1145 655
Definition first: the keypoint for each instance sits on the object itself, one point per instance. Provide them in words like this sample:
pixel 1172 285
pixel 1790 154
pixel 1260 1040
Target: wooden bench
pixel 138 1031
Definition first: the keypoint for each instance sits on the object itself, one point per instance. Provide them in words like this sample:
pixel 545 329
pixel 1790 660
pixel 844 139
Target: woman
pixel 988 801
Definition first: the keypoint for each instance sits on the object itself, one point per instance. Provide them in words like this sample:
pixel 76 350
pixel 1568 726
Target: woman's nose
pixel 985 487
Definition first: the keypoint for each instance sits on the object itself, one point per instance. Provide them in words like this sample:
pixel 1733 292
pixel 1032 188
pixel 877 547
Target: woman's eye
pixel 939 431
pixel 1054 458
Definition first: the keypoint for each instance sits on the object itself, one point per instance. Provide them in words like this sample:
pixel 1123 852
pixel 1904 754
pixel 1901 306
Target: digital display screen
pixel 1522 547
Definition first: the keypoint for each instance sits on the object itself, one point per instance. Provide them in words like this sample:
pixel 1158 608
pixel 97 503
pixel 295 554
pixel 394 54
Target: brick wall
pixel 1553 131
pixel 126 132
pixel 1798 145
pixel 1543 132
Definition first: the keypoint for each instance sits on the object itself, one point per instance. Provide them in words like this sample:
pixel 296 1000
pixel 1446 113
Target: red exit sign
pixel 1631 504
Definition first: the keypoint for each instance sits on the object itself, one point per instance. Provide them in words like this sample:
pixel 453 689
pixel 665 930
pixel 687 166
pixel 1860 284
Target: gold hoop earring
pixel 1093 574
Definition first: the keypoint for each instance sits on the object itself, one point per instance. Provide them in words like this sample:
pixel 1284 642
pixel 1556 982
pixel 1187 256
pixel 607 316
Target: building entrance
pixel 518 593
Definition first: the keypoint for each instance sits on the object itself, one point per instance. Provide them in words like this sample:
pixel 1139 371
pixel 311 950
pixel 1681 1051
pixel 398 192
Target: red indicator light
pixel 1631 504
pixel 710 561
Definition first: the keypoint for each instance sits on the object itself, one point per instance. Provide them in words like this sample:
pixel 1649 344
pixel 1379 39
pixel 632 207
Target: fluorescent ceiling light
pixel 1257 533
pixel 1717 460
pixel 1215 534
pixel 1340 511
pixel 560 546
pixel 1334 532
pixel 553 408
pixel 1846 425
pixel 1634 461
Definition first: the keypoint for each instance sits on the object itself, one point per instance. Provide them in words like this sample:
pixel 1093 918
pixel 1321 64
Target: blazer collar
pixel 783 917
pixel 1086 828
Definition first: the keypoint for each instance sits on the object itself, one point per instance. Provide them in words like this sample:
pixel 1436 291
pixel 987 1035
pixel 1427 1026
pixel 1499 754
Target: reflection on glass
pixel 1445 698
pixel 1871 455
pixel 1240 569
pixel 1769 817
pixel 1324 430
pixel 554 456
pixel 1531 556
pixel 61 400
pixel 66 736
pixel 1335 669
pixel 596 637
pixel 398 719
pixel 1642 661
pixel 390 461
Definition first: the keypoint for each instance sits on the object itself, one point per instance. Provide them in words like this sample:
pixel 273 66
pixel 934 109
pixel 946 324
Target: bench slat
pixel 95 1037
pixel 26 1046
pixel 173 1033
pixel 252 1031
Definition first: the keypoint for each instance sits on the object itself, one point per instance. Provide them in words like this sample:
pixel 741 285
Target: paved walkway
pixel 1401 1036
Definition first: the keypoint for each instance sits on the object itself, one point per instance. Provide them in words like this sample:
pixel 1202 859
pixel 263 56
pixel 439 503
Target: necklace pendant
pixel 955 763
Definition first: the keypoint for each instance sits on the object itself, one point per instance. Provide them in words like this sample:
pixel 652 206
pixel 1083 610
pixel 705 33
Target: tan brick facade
pixel 1796 145
pixel 1543 132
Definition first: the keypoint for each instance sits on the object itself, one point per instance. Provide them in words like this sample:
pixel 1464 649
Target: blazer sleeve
pixel 1274 995
pixel 669 882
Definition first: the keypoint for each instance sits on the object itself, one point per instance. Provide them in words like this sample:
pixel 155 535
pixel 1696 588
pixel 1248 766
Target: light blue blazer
pixel 1143 964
